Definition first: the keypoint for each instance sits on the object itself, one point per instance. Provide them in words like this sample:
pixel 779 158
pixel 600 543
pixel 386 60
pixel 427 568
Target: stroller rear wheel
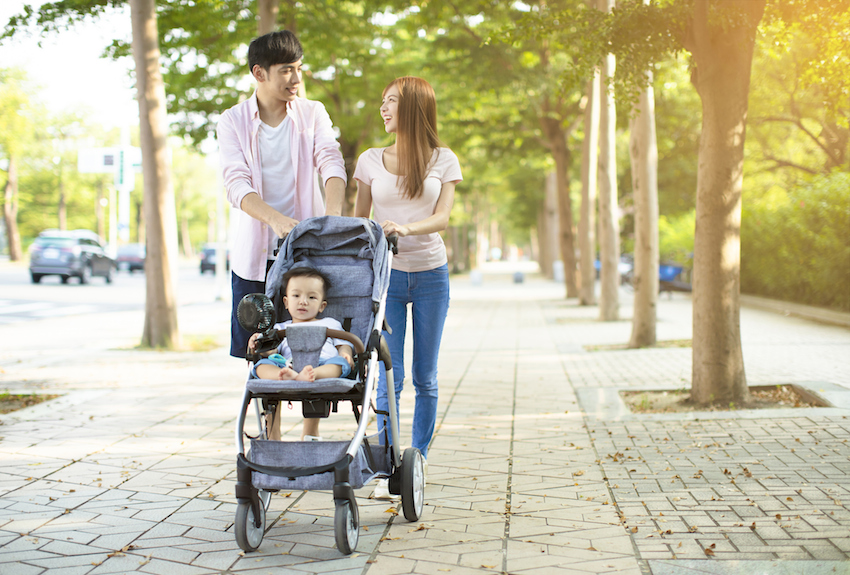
pixel 412 484
pixel 248 535
pixel 346 526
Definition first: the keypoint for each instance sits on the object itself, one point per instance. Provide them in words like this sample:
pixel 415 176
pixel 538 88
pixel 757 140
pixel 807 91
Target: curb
pixel 819 314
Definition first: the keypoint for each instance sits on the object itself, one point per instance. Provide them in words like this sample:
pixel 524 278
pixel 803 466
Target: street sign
pixel 123 162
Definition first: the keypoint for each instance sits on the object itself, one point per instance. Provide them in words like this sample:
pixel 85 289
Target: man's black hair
pixel 281 47
pixel 307 272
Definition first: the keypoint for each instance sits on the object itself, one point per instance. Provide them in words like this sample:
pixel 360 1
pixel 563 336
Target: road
pixel 48 326
pixel 23 301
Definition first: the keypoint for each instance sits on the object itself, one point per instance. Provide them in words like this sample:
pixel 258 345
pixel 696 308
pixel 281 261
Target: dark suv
pixel 74 253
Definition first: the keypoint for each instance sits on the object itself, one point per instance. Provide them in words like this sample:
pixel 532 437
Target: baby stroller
pixel 356 257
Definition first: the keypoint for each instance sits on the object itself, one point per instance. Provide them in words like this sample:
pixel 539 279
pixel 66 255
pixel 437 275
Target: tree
pixel 609 228
pixel 496 47
pixel 796 131
pixel 15 130
pixel 160 328
pixel 721 37
pixel 589 170
pixel 195 191
pixel 644 158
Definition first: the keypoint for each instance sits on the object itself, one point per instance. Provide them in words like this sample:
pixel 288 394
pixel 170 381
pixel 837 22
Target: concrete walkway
pixel 536 466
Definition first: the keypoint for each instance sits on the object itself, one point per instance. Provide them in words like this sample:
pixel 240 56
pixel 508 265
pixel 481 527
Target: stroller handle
pixel 392 239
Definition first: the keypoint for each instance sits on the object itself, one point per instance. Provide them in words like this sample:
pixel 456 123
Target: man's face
pixel 280 81
pixel 305 298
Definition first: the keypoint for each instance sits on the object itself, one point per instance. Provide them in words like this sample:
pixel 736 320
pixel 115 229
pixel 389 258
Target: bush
pixel 796 246
pixel 676 238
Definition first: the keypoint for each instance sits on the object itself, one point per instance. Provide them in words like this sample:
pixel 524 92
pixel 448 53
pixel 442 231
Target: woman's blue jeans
pixel 428 294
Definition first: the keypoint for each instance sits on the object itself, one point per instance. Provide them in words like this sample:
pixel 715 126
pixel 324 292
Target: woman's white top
pixel 415 253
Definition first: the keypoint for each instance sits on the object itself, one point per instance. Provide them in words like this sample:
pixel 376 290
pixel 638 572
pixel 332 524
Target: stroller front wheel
pixel 248 535
pixel 412 484
pixel 346 526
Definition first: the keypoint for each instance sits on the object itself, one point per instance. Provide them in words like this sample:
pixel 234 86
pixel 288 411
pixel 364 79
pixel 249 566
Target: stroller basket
pixel 362 468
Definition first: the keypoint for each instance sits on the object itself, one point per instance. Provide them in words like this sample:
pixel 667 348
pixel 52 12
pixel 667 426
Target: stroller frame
pixel 257 479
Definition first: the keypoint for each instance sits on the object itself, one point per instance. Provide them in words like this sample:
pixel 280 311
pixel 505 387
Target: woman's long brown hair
pixel 416 137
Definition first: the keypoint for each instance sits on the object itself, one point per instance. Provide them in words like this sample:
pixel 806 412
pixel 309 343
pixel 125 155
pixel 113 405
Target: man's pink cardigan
pixel 314 147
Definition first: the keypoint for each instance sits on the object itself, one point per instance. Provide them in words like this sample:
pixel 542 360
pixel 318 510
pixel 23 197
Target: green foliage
pixel 824 65
pixel 16 112
pixel 195 189
pixel 796 246
pixel 676 238
pixel 794 131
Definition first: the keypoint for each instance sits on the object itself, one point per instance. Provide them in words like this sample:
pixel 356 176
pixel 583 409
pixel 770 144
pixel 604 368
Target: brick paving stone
pixel 592 488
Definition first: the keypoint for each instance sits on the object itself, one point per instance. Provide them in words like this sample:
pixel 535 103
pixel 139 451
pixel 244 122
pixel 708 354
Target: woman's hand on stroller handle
pixel 392 239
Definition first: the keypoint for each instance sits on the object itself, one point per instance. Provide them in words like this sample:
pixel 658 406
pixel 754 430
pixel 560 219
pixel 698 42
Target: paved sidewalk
pixel 536 466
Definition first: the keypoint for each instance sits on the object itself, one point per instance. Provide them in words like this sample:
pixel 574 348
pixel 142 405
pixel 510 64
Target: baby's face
pixel 305 298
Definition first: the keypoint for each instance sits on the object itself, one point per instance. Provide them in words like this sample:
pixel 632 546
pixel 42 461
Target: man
pixel 269 145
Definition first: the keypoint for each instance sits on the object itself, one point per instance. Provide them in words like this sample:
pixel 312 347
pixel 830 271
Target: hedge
pixel 796 246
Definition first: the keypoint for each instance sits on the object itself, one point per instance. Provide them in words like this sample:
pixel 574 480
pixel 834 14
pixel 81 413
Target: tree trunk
pixel 160 329
pixel 63 203
pixel 186 239
pixel 267 12
pixel 644 157
pixel 10 210
pixel 548 226
pixel 587 219
pixel 556 137
pixel 99 211
pixel 609 225
pixel 723 58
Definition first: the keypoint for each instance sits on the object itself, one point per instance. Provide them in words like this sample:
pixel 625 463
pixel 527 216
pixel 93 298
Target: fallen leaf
pixel 709 552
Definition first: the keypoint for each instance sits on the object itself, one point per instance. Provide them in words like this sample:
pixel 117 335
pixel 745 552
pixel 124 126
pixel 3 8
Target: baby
pixel 304 299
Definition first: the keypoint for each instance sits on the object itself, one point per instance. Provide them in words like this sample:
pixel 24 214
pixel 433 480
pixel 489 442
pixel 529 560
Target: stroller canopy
pixel 352 253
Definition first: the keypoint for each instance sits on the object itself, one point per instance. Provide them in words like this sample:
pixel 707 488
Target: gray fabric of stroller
pixel 315 453
pixel 352 253
pixel 300 389
pixel 306 342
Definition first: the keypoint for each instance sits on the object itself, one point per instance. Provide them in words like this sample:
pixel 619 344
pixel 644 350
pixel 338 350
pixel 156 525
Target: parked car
pixel 208 259
pixel 74 253
pixel 131 257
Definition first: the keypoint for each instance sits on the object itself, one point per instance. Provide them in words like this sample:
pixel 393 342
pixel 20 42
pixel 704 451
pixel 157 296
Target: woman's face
pixel 389 109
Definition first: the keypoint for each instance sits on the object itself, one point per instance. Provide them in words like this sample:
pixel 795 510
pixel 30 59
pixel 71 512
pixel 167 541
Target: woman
pixel 411 186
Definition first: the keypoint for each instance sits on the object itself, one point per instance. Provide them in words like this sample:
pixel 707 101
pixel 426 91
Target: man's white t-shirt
pixel 415 253
pixel 278 178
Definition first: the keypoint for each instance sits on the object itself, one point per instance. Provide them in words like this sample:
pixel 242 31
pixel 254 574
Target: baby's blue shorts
pixel 279 361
